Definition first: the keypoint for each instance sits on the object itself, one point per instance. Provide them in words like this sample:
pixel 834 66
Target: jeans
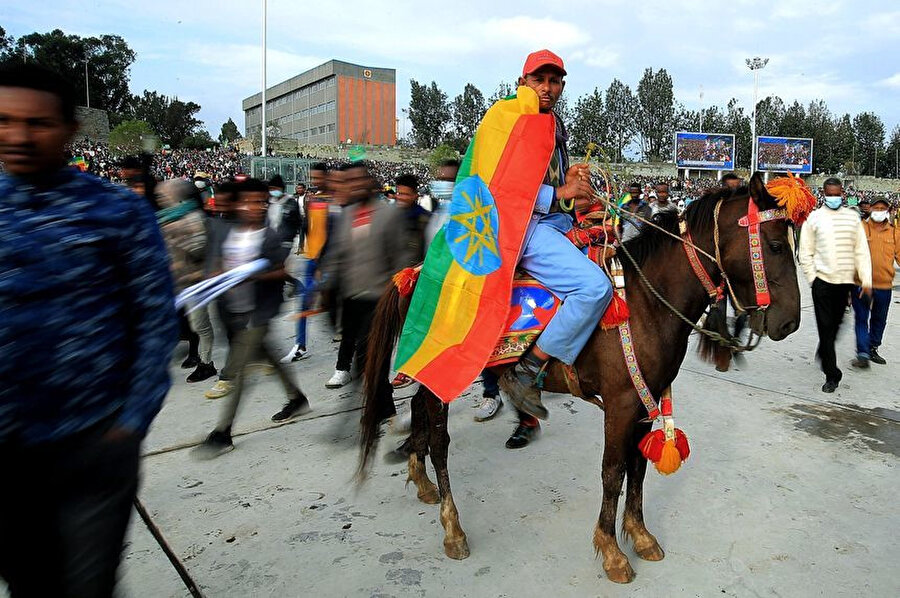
pixel 585 290
pixel 491 383
pixel 871 318
pixel 200 324
pixel 829 302
pixel 64 509
pixel 307 294
pixel 245 346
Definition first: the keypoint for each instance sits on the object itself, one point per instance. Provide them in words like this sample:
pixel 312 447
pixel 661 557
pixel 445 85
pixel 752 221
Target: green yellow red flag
pixel 461 301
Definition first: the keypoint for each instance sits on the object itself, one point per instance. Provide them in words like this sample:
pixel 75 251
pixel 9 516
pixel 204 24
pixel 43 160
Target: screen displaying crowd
pixel 704 150
pixel 780 154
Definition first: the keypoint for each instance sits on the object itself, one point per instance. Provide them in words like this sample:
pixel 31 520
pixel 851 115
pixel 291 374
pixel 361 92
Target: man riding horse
pixel 550 257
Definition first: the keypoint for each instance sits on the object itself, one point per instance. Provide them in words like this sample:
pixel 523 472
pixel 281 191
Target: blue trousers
pixel 870 320
pixel 579 283
pixel 305 299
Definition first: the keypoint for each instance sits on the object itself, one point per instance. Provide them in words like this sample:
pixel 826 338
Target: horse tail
pixel 386 324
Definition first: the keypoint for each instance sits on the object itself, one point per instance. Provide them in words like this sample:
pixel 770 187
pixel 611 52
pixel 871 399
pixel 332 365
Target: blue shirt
pixel 87 319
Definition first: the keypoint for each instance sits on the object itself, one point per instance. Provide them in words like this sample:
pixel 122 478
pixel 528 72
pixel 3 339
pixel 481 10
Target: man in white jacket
pixel 833 254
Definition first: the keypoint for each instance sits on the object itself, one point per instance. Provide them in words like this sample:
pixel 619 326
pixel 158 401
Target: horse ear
pixel 758 190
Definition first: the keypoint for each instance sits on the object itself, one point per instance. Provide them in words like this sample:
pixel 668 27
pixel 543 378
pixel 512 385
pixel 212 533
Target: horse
pixel 660 343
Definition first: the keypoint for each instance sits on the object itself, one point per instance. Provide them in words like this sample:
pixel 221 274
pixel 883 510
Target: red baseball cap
pixel 541 58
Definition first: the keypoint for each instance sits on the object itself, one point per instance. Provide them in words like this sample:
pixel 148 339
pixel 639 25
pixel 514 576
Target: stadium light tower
pixel 755 64
pixel 264 132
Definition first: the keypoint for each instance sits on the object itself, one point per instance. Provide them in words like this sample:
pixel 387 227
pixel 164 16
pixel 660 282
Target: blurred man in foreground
pixel 88 328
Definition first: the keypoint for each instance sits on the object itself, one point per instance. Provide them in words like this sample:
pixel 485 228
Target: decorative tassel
pixel 617 312
pixel 793 195
pixel 668 447
pixel 405 280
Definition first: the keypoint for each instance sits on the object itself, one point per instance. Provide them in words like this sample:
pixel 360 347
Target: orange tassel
pixel 793 195
pixel 665 454
pixel 405 280
pixel 617 312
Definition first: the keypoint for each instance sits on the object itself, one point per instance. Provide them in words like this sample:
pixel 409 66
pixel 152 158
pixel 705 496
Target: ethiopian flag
pixel 461 301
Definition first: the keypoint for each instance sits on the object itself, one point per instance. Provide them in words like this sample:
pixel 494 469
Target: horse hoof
pixel 620 573
pixel 457 549
pixel 651 553
pixel 431 496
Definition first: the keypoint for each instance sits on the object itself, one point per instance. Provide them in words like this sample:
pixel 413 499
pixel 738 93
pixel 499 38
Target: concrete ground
pixel 788 491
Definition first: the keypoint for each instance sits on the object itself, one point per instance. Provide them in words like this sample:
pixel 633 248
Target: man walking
pixel 871 317
pixel 88 328
pixel 833 254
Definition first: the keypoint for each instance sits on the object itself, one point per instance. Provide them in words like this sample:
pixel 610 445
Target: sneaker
pixel 337 338
pixel 339 379
pixel 216 444
pixel 522 436
pixel 829 386
pixel 296 407
pixel 219 390
pixel 490 406
pixel 191 361
pixel 204 371
pixel 401 381
pixel 874 357
pixel 295 354
pixel 861 363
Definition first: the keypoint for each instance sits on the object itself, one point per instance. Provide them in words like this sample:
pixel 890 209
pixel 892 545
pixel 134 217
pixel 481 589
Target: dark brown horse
pixel 660 341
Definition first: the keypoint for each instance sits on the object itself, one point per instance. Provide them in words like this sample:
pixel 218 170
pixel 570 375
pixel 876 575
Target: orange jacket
pixel 884 247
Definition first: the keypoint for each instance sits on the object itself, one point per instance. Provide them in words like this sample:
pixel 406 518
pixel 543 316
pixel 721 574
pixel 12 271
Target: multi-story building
pixel 329 104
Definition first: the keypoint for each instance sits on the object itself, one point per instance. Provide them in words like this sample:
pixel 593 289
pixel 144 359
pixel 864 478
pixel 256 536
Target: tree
pixel 869 133
pixel 199 140
pixel 467 110
pixel 620 112
pixel 794 122
pixel 769 114
pixel 109 59
pixel 563 110
pixel 440 154
pixel 429 113
pixel 503 90
pixel 229 133
pixel 892 153
pixel 820 126
pixel 655 114
pixel 844 141
pixel 588 123
pixel 738 124
pixel 128 136
pixel 172 118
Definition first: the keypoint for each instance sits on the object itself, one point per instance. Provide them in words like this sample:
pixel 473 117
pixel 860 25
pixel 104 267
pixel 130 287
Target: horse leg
pixel 427 491
pixel 455 544
pixel 645 544
pixel 618 435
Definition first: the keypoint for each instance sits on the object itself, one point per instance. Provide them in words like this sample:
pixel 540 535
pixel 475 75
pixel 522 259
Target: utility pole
pixel 701 108
pixel 87 85
pixel 755 64
pixel 264 150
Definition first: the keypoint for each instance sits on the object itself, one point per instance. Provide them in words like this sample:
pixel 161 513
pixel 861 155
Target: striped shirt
pixel 833 247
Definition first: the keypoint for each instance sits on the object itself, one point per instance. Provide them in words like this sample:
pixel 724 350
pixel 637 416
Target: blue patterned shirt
pixel 87 320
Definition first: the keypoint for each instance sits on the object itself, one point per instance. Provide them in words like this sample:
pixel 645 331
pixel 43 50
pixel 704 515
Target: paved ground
pixel 788 492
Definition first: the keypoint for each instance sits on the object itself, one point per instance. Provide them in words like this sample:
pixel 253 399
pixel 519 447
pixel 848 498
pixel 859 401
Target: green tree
pixel 794 122
pixel 738 124
pixel 892 156
pixel 588 123
pixel 127 137
pixel 820 126
pixel 109 60
pixel 769 114
pixel 429 114
pixel 467 109
pixel 655 114
pixel 440 154
pixel 503 90
pixel 199 140
pixel 869 133
pixel 172 118
pixel 620 111
pixel 844 141
pixel 229 132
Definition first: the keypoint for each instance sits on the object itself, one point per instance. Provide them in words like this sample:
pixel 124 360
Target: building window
pixel 331 105
pixel 330 128
pixel 331 82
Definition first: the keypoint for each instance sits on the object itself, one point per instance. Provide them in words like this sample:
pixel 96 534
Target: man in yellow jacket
pixel 871 317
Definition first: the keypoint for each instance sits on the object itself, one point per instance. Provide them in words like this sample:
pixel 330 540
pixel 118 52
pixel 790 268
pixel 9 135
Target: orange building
pixel 336 102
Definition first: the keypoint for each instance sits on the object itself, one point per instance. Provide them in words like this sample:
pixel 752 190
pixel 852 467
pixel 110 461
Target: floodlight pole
pixel 755 64
pixel 87 85
pixel 264 151
pixel 701 108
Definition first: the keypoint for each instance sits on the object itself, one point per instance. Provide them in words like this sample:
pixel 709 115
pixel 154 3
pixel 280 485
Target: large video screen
pixel 704 151
pixel 784 154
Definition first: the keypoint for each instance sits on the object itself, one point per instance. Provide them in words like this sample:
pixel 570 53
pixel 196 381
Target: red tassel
pixel 666 455
pixel 652 444
pixel 405 280
pixel 617 312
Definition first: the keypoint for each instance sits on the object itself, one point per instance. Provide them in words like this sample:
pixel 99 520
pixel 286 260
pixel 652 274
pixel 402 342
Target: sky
pixel 206 51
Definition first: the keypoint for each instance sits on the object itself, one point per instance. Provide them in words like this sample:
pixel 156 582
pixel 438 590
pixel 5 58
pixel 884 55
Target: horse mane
pixel 651 240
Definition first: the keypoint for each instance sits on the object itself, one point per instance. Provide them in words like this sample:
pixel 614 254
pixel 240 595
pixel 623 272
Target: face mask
pixel 200 184
pixel 879 215
pixel 276 193
pixel 441 190
pixel 833 201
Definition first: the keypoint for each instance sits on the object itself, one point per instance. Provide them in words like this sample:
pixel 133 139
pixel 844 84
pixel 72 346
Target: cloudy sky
pixel 208 51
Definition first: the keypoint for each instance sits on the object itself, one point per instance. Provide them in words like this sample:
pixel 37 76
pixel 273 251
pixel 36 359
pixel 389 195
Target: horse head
pixel 756 247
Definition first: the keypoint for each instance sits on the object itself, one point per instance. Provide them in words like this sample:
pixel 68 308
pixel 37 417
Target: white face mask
pixel 879 215
pixel 200 184
pixel 833 201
